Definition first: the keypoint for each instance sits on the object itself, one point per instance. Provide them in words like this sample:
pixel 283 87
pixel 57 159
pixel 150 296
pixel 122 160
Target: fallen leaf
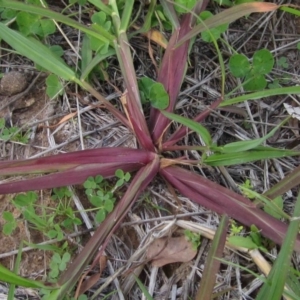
pixel 169 250
pixel 85 285
pixel 63 120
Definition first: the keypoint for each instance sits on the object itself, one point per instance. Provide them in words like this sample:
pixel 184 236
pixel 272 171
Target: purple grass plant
pixel 154 140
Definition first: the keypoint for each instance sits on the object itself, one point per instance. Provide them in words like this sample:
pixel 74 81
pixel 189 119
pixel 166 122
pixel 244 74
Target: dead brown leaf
pixel 169 250
pixel 92 280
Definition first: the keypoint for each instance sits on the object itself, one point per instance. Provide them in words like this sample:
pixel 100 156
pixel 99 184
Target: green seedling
pixel 12 133
pixel 283 62
pixel 122 177
pixel 63 195
pixel 58 264
pixel 30 24
pixel 11 223
pixel 54 86
pixel 247 186
pixel 253 74
pixel 252 241
pixel 153 92
pixel 100 198
pixel 234 229
pixel 183 6
pixel 193 237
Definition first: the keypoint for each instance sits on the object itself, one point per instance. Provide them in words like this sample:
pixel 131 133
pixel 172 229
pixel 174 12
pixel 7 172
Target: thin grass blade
pixel 195 126
pixel 183 130
pixel 274 286
pixel 227 16
pixel 102 35
pixel 229 159
pixel 37 52
pixel 212 264
pixel 262 94
pixel 288 182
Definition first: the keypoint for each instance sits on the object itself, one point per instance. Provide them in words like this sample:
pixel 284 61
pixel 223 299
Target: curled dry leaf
pixel 169 250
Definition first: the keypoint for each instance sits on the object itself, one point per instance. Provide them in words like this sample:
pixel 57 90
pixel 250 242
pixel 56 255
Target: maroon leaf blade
pixel 74 167
pixel 224 201
pixel 109 225
pixel 67 161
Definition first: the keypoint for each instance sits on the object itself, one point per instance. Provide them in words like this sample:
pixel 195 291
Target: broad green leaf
pixel 274 212
pixel 37 52
pixel 241 241
pixel 43 28
pixel 25 21
pixel 195 126
pixel 54 86
pixel 255 82
pixel 8 228
pixel 100 216
pixel 8 216
pixel 229 159
pixel 109 206
pixel 214 33
pixel 239 65
pixel 158 96
pixel 119 173
pixel 263 62
pixel 154 92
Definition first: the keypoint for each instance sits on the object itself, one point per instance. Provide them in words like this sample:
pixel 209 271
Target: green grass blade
pixel 212 264
pixel 227 16
pixel 262 94
pixel 290 10
pixel 37 52
pixel 10 277
pixel 274 287
pixel 95 61
pixel 102 35
pixel 228 159
pixel 143 288
pixel 101 6
pixel 12 287
pixel 251 144
pixel 86 54
pixel 126 15
pixel 195 126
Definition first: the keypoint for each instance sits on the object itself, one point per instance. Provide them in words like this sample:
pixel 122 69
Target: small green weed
pixel 252 241
pixel 234 229
pixel 153 92
pixel 101 195
pixel 214 33
pixel 12 133
pixel 253 74
pixel 58 264
pixel 193 237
